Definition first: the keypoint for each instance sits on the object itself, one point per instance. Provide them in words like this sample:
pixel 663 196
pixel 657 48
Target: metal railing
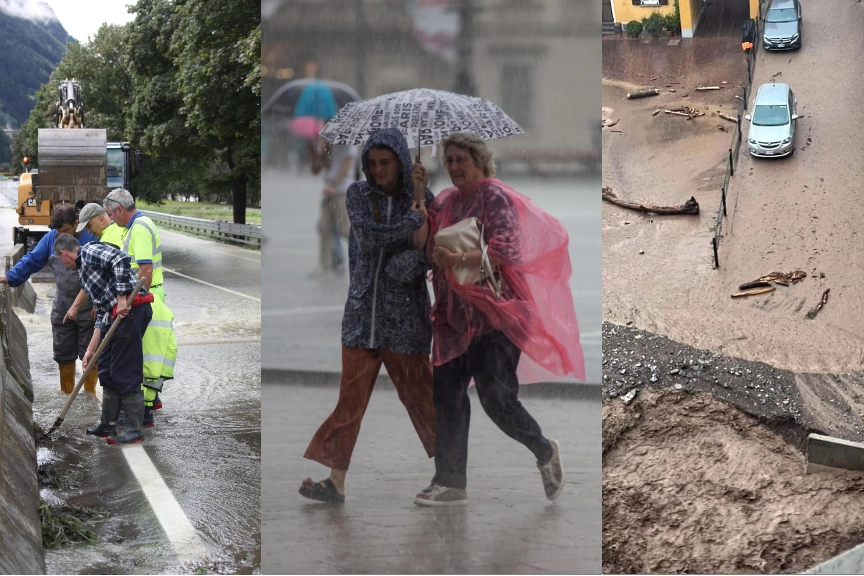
pixel 734 151
pixel 216 229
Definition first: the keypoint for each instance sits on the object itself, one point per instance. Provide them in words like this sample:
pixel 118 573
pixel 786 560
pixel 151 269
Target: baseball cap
pixel 89 211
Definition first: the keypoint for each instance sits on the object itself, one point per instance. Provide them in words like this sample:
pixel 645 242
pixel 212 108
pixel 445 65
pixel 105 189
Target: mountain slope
pixel 29 51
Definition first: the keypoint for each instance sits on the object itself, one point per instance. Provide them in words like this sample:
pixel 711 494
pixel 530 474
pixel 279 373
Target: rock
pixel 629 396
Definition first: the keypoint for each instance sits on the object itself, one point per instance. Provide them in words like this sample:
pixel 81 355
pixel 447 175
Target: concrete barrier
pixel 825 452
pixel 23 296
pixel 850 562
pixel 20 527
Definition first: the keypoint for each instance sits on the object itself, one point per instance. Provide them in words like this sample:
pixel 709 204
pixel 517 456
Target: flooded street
pixel 187 499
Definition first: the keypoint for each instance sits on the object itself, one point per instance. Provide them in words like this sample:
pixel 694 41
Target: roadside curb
pixel 566 390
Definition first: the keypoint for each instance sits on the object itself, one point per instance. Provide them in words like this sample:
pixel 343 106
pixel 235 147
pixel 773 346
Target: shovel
pixel 59 421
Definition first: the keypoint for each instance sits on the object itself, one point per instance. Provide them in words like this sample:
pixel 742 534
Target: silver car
pixel 782 25
pixel 772 125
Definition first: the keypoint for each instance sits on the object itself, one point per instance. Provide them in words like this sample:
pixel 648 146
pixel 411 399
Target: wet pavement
pixel 303 316
pixel 508 525
pixel 187 499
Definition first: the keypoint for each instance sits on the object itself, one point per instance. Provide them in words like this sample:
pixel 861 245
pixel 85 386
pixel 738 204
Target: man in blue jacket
pixel 70 339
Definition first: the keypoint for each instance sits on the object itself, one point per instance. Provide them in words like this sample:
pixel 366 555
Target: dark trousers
pixel 121 364
pixel 491 360
pixel 71 339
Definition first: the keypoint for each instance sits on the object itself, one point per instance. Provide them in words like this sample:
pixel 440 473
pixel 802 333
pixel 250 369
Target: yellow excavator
pixel 76 165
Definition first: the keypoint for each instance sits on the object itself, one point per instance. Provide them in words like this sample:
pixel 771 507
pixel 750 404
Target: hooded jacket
pixel 388 302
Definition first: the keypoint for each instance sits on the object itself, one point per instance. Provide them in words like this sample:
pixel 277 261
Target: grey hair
pixel 65 242
pixel 475 146
pixel 122 197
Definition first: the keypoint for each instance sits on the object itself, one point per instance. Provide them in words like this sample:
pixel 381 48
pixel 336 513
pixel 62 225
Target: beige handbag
pixel 465 236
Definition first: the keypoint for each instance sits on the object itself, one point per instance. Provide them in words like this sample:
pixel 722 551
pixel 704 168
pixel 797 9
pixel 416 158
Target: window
pixel 650 2
pixel 517 90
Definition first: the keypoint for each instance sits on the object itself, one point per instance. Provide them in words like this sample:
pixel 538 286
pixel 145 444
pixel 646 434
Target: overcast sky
pixel 83 18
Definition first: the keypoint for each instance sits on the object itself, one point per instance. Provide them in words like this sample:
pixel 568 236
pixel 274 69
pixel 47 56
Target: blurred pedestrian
pixel 483 335
pixel 334 224
pixel 386 318
pixel 748 35
pixel 70 338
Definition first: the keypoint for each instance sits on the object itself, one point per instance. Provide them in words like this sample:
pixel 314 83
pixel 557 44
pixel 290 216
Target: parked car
pixel 772 124
pixel 782 25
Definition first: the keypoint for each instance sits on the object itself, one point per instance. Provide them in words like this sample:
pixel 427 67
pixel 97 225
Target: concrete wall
pixel 20 528
pixel 691 11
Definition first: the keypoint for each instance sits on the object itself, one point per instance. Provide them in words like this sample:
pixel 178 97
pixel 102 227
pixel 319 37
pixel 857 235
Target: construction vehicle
pixel 77 165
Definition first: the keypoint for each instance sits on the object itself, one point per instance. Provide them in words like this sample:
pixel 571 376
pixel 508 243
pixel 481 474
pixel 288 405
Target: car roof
pixel 778 4
pixel 773 94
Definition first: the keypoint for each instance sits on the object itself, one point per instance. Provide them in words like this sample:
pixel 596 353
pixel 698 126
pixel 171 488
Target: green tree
pixel 219 76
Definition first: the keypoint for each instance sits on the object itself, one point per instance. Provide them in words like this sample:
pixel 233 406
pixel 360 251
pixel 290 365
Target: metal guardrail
pixel 732 161
pixel 217 229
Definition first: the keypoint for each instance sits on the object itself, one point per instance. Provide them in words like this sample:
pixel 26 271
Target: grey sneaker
pixel 436 495
pixel 552 473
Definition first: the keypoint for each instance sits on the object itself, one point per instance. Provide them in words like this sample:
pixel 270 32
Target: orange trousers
pixel 334 441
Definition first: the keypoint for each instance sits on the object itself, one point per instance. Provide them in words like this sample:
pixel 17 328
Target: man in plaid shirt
pixel 107 278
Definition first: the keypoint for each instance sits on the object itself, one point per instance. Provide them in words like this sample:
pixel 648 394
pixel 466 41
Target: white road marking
pixel 211 285
pixel 183 537
pixel 303 310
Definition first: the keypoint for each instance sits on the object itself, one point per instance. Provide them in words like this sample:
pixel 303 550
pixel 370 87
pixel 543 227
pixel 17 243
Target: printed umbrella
pixel 423 116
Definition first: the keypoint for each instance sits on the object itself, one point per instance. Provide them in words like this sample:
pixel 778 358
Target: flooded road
pixel 187 499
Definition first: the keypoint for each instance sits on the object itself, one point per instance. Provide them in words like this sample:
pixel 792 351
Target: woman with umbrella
pixel 485 334
pixel 386 319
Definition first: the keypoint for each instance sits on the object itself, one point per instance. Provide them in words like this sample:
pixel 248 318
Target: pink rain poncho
pixel 536 309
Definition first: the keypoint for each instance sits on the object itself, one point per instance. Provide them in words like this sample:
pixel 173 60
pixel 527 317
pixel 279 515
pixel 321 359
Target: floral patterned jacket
pixel 388 302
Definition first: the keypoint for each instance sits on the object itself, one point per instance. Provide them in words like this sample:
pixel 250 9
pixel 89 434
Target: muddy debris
pixel 756 388
pixel 691 484
pixel 66 524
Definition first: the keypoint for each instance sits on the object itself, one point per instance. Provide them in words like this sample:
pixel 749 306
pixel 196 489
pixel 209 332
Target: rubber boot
pixel 67 377
pixel 148 417
pixel 133 406
pixel 92 378
pixel 110 408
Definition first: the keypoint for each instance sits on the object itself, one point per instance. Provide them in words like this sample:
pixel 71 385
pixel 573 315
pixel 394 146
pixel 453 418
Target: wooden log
pixel 727 117
pixel 704 88
pixel 690 207
pixel 643 94
pixel 655 112
pixel 677 113
pixel 812 313
pixel 755 292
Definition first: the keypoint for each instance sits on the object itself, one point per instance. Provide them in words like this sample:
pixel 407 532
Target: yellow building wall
pixel 754 8
pixel 691 10
pixel 625 11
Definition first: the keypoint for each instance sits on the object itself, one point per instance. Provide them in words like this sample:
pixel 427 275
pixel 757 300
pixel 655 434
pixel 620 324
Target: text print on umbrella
pixel 432 115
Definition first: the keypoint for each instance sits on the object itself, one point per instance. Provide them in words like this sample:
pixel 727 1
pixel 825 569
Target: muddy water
pixel 692 485
pixel 206 442
pixel 799 213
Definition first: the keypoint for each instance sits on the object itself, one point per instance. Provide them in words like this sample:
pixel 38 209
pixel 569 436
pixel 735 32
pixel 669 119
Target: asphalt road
pixel 508 526
pixel 187 498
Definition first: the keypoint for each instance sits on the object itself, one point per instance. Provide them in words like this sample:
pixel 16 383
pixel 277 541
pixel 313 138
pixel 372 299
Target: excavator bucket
pixel 72 165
